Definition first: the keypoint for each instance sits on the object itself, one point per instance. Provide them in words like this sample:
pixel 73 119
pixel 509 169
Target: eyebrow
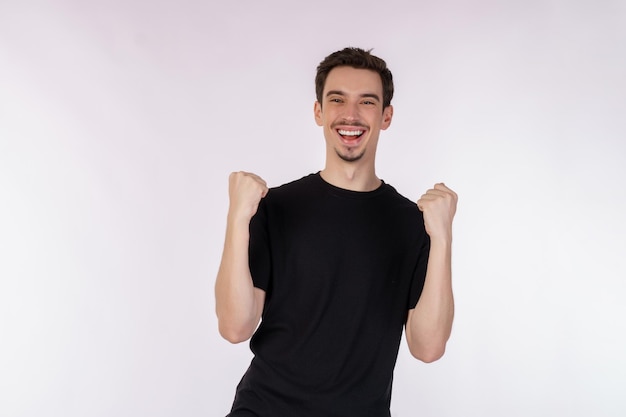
pixel 364 95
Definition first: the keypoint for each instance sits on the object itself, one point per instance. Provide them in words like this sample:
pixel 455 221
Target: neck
pixel 352 178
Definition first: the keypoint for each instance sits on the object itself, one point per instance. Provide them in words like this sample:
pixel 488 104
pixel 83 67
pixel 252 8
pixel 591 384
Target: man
pixel 333 265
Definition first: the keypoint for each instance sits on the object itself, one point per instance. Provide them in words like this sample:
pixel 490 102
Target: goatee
pixel 350 158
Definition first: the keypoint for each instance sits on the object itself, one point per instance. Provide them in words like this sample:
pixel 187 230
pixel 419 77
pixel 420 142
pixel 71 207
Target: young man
pixel 333 265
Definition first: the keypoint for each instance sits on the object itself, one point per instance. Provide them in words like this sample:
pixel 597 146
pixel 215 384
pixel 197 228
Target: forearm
pixel 235 300
pixel 429 325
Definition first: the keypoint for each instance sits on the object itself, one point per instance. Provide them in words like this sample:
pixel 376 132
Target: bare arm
pixel 429 324
pixel 238 303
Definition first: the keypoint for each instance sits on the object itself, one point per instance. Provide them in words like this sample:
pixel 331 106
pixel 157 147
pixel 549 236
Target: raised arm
pixel 238 303
pixel 429 324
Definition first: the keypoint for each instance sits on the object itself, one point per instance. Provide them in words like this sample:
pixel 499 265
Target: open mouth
pixel 350 136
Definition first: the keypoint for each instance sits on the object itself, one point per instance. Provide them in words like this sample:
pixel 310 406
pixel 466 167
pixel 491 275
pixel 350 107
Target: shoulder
pixel 305 181
pixel 292 194
pixel 403 210
pixel 399 200
pixel 304 185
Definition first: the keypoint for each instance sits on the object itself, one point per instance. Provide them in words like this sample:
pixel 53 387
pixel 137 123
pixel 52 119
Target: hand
pixel 245 191
pixel 439 206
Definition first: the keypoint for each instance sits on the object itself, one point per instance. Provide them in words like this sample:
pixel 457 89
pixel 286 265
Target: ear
pixel 387 116
pixel 317 112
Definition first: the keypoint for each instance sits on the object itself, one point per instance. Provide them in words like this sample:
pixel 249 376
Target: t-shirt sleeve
pixel 259 259
pixel 419 276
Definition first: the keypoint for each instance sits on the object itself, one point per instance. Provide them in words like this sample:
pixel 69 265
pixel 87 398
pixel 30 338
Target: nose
pixel 351 111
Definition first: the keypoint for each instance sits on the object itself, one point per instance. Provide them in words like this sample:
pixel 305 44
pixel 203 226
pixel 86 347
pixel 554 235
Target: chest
pixel 330 249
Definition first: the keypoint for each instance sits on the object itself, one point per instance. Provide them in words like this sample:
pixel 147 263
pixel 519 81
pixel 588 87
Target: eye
pixel 335 100
pixel 369 102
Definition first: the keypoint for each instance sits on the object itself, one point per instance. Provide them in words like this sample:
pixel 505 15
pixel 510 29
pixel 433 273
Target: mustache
pixel 348 123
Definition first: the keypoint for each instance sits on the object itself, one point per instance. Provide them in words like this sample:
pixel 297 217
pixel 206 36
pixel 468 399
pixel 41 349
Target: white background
pixel 121 120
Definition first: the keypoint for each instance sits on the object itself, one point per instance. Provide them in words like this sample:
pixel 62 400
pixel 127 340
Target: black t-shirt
pixel 340 269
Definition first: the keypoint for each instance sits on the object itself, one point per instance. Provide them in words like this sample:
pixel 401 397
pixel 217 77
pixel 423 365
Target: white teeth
pixel 350 132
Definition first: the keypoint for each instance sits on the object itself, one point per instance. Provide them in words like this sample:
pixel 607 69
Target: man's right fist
pixel 245 191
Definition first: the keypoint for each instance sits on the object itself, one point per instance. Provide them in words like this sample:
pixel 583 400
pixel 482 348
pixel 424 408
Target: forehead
pixel 353 80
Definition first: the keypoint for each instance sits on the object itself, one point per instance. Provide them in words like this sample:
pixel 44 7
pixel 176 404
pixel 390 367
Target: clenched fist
pixel 439 206
pixel 245 191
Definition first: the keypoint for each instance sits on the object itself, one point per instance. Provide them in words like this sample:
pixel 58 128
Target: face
pixel 352 113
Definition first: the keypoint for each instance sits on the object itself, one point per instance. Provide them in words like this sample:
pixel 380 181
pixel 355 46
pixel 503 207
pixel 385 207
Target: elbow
pixel 428 354
pixel 234 335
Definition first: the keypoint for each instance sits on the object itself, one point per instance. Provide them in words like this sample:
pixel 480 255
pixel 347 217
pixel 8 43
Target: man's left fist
pixel 439 206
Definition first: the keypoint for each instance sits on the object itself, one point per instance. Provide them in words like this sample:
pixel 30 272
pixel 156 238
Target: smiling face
pixel 352 114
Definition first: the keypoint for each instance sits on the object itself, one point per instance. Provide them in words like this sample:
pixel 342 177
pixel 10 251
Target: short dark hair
pixel 355 58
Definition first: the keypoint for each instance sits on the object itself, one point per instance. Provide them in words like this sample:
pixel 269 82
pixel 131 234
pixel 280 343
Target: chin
pixel 353 157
